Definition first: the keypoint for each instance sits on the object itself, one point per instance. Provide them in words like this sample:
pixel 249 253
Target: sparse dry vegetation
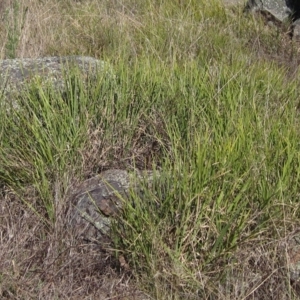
pixel 202 92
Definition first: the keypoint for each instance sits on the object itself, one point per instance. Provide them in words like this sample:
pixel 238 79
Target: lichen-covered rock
pixel 16 73
pixel 100 198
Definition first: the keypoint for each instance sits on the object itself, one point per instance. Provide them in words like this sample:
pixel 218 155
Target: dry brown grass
pixel 51 263
pixel 49 28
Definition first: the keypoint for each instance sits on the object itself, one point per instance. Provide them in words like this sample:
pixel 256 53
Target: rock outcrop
pixel 15 73
pixel 278 11
pixel 277 8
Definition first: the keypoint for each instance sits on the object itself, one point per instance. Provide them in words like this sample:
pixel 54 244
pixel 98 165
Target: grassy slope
pixel 202 92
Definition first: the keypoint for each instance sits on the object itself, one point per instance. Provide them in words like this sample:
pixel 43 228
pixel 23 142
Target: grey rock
pixel 279 9
pixel 296 30
pixel 277 12
pixel 16 73
pixel 101 198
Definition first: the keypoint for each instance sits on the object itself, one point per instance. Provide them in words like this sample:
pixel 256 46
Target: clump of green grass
pixel 47 134
pixel 14 18
pixel 232 164
pixel 191 100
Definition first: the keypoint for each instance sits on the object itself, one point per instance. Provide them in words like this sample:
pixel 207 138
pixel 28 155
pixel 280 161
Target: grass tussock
pixel 204 94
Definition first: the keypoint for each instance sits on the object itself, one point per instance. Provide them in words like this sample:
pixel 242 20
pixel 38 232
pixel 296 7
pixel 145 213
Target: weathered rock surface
pixel 100 198
pixel 296 30
pixel 279 9
pixel 14 73
pixel 277 12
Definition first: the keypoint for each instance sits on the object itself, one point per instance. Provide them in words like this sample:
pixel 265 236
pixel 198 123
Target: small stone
pixel 100 198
